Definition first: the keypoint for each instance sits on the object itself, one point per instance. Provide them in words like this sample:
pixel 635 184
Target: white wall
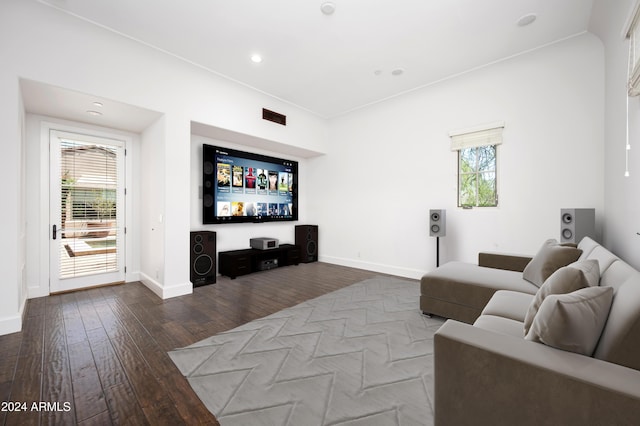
pixel 45 45
pixel 388 164
pixel 12 216
pixel 152 200
pixel 622 204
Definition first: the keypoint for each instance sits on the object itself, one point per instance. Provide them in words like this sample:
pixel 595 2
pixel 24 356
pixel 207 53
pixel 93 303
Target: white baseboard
pixel 132 277
pixel 13 323
pixel 35 292
pixel 165 292
pixel 375 267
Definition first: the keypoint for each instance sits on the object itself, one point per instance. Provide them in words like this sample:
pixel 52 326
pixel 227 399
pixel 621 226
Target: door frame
pixel 46 126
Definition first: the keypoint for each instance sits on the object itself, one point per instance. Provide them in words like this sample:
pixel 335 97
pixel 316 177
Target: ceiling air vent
pixel 274 116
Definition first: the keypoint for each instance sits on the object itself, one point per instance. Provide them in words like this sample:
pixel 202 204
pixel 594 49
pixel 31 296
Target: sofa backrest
pixel 620 339
pixel 587 245
pixel 616 274
pixel 593 250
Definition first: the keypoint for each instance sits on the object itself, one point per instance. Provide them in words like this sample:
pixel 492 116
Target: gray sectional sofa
pixel 488 371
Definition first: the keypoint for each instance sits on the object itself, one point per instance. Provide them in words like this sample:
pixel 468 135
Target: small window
pixel 477 177
pixel 477 150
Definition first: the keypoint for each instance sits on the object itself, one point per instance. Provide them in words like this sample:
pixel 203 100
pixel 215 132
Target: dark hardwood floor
pixel 99 356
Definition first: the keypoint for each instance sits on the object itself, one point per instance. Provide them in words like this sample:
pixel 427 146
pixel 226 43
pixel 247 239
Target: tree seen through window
pixel 477 183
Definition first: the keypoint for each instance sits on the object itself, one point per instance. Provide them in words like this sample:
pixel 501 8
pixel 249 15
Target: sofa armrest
pixel 482 377
pixel 509 262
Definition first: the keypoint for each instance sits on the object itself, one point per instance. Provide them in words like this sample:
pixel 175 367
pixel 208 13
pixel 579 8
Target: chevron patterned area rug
pixel 361 355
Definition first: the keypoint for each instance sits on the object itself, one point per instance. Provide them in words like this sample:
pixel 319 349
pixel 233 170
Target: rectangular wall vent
pixel 274 116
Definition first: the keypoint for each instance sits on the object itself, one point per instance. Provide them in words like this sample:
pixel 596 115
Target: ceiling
pixel 44 99
pixel 333 64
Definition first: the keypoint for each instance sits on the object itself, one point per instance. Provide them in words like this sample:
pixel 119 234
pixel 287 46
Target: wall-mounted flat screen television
pixel 240 186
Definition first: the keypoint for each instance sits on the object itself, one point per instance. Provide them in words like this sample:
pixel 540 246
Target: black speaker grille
pixel 312 248
pixel 207 167
pixel 202 265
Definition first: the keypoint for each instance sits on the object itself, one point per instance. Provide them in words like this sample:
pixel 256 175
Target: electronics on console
pixel 264 243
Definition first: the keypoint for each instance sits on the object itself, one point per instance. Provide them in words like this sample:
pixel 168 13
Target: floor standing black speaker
pixel 203 258
pixel 307 239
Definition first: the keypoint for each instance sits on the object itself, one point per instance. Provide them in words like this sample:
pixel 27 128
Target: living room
pixel 368 177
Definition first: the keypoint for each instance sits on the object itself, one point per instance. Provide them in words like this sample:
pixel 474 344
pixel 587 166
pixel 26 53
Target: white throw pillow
pixel 572 322
pixel 581 274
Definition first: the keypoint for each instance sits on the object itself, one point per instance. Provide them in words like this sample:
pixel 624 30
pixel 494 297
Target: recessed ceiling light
pixel 526 19
pixel 98 104
pixel 256 58
pixel 95 113
pixel 328 8
pixel 377 72
pixel 397 71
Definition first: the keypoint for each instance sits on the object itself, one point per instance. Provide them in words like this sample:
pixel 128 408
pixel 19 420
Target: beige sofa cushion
pixel 572 322
pixel 461 290
pixel 567 279
pixel 605 258
pixel 620 340
pixel 587 244
pixel 509 304
pixel 499 325
pixel 551 257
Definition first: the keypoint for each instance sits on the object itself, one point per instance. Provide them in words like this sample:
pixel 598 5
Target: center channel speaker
pixel 437 222
pixel 203 258
pixel 307 239
pixel 575 224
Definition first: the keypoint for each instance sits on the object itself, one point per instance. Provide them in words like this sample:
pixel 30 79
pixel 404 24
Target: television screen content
pixel 242 186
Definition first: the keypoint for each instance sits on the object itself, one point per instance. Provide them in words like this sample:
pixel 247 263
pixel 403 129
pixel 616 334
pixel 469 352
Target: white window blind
pixel 490 134
pixel 633 34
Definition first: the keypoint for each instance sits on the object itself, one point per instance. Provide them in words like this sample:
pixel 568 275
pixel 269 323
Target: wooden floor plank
pixel 26 390
pixel 102 419
pixel 57 388
pixel 123 405
pixel 88 395
pixel 104 350
pixel 108 365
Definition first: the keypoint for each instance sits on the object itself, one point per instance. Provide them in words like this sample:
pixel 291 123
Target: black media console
pixel 241 262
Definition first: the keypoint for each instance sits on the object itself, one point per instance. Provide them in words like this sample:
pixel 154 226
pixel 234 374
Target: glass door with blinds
pixel 87 211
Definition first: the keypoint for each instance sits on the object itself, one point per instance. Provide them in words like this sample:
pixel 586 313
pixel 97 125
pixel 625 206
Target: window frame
pixel 489 134
pixel 477 174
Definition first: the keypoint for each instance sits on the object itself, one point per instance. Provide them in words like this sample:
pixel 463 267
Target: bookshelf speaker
pixel 575 224
pixel 437 222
